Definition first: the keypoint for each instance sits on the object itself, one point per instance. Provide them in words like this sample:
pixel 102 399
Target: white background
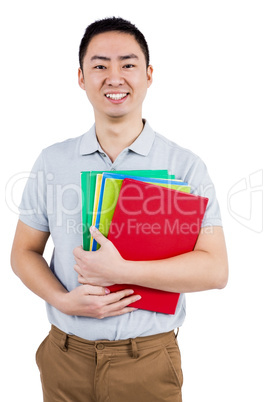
pixel 210 95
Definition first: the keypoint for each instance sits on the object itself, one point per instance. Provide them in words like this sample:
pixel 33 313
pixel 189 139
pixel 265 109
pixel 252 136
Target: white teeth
pixel 116 96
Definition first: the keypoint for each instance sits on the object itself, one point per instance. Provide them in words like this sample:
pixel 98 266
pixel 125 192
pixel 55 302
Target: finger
pixel 95 290
pixel 121 307
pixel 128 300
pixel 115 297
pixel 78 253
pixel 82 280
pixel 78 269
pixel 124 296
pixel 98 236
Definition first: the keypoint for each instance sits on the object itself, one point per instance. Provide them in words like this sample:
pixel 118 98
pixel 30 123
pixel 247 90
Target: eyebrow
pixel 126 57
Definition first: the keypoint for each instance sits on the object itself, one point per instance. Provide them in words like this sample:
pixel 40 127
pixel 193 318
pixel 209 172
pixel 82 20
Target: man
pixel 98 347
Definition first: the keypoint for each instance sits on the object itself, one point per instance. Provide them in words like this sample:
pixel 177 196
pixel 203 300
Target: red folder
pixel 152 223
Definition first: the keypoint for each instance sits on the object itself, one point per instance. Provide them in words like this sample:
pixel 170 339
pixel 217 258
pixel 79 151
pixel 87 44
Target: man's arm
pixel 204 268
pixel 29 265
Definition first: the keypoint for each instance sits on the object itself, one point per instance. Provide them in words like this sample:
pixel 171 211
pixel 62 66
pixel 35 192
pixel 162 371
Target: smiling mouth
pixel 117 96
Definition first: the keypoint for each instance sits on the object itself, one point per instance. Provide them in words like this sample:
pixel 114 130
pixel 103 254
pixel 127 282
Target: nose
pixel 114 76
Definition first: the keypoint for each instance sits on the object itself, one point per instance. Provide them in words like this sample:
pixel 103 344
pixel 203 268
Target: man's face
pixel 115 76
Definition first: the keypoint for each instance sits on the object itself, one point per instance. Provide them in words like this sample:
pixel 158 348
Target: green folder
pixel 88 182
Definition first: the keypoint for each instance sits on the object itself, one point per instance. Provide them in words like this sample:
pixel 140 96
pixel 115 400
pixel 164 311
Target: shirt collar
pixel 142 145
pixel 89 143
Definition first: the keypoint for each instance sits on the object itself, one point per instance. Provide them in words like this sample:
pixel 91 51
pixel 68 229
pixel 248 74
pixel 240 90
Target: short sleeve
pixel 201 184
pixel 33 206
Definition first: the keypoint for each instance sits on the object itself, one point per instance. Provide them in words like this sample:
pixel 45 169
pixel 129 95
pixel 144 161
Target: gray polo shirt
pixel 51 202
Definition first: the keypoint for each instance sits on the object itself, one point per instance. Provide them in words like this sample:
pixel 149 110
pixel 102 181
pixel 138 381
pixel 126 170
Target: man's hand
pixel 204 268
pixel 101 267
pixel 91 301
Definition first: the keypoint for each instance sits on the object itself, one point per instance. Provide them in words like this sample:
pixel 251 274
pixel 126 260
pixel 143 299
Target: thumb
pixel 98 236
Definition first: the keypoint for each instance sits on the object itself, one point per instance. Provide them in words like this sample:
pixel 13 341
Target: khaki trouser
pixel 145 369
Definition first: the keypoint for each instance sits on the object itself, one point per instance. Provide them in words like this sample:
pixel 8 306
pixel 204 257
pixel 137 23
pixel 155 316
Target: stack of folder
pixel 148 215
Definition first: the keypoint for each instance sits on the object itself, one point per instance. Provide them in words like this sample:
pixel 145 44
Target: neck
pixel 117 134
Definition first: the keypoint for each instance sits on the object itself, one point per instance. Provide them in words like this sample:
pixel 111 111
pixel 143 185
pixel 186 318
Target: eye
pixel 100 67
pixel 128 66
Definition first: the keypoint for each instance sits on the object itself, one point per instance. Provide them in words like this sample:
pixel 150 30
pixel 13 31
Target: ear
pixel 81 80
pixel 149 75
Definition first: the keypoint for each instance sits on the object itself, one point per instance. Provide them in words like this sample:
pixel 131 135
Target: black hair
pixel 108 25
